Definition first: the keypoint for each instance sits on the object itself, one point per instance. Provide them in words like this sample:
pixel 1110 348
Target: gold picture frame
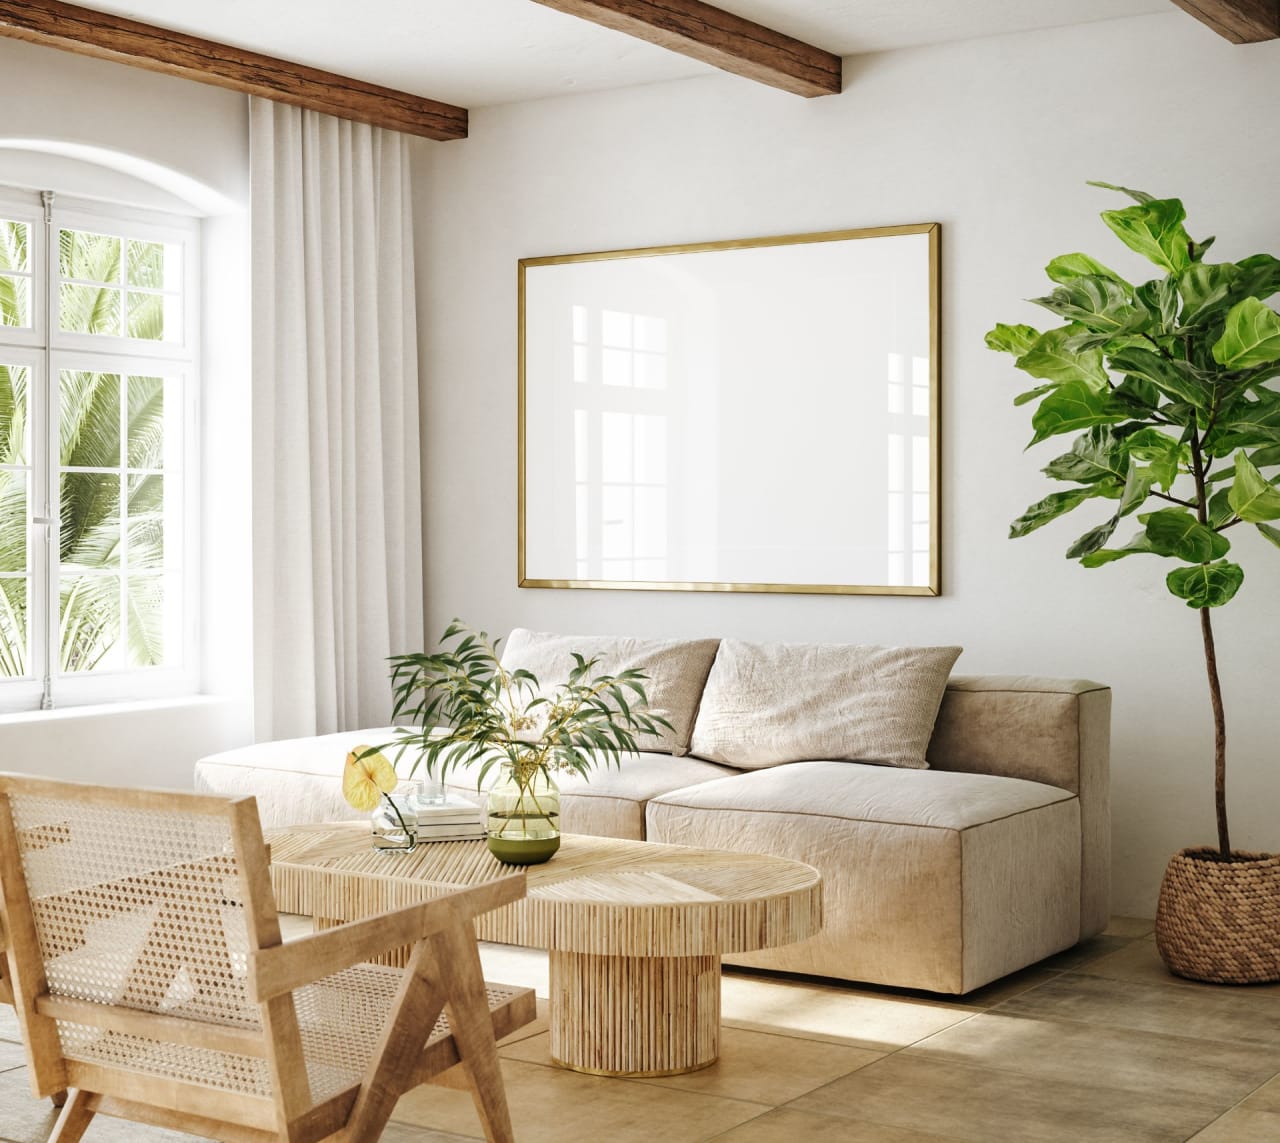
pixel 761 275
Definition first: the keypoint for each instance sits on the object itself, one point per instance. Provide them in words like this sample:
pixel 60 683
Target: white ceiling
pixel 481 52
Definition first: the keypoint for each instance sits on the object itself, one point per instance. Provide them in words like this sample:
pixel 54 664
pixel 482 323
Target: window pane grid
pixel 119 559
pixel 113 286
pixel 100 451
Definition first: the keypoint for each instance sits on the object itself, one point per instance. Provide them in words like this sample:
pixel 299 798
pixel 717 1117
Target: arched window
pixel 98 391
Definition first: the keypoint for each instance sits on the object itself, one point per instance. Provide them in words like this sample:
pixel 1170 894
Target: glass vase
pixel 523 816
pixel 395 819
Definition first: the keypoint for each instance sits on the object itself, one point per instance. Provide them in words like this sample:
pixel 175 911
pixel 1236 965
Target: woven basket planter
pixel 1220 920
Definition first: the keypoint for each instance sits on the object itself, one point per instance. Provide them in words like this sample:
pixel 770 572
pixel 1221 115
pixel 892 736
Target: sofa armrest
pixel 1055 731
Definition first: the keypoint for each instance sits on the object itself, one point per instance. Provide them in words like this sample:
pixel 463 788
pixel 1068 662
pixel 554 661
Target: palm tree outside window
pixel 97 390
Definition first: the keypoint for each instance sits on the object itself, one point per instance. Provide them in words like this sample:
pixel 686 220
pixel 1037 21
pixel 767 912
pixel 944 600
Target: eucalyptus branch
pixel 491 712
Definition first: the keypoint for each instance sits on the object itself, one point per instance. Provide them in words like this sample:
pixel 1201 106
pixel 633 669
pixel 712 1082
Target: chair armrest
pixel 282 968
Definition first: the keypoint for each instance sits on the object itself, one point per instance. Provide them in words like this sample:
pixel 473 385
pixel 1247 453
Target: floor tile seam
pixel 971 1016
pixel 1254 1045
pixel 665 1083
pixel 864 1120
pixel 645 1081
pixel 1182 986
pixel 1059 1018
pixel 809 1037
pixel 1172 987
pixel 1006 1071
pixel 728 1130
pixel 1245 1099
pixel 1057 972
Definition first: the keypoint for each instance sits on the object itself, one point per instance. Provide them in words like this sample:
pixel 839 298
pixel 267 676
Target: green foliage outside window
pixel 94 432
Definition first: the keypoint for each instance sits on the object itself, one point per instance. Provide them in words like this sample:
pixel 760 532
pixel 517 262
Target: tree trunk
pixel 1219 735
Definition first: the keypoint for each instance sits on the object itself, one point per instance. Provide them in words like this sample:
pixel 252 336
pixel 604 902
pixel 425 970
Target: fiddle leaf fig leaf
pixel 1163 452
pixel 1206 585
pixel 1050 360
pixel 1266 457
pixel 1137 546
pixel 1272 534
pixel 1167 375
pixel 1200 249
pixel 1096 455
pixel 1252 496
pixel 1252 336
pixel 1050 508
pixel 1093 539
pixel 1219 510
pixel 1259 277
pixel 1067 267
pixel 1154 229
pixel 1176 532
pixel 1245 423
pixel 1205 289
pixel 1015 339
pixel 1160 297
pixel 1136 195
pixel 1099 304
pixel 1137 487
pixel 1032 394
pixel 1073 406
pixel 1138 394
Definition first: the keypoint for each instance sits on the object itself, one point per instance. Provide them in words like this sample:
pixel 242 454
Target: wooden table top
pixel 597 895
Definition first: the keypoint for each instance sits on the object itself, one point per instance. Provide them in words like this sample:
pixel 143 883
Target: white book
pixel 450 810
pixel 451 832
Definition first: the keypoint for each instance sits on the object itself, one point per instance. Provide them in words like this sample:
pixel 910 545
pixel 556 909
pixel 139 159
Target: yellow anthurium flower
pixel 365 779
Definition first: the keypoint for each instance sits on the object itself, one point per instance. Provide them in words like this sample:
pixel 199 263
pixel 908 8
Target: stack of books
pixel 451 819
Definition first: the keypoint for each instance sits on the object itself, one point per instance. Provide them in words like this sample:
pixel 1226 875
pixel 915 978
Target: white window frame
pixel 47 351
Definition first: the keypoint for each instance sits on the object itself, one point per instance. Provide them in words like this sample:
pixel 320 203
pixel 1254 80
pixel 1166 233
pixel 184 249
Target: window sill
pixel 107 709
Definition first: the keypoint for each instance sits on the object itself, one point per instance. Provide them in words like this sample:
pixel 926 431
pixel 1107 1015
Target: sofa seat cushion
pixel 934 880
pixel 610 801
pixel 296 780
pixel 850 790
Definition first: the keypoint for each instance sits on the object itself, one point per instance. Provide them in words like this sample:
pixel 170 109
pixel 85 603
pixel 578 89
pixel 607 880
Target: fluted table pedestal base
pixel 634 1015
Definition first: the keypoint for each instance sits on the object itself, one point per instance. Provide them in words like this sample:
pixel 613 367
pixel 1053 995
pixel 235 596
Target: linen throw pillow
pixel 769 703
pixel 677 670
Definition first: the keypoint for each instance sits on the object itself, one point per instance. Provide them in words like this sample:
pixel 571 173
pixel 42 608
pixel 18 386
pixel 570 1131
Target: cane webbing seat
pixel 148 971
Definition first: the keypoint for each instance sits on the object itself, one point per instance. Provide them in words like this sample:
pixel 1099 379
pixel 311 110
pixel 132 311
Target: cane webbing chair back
pixel 150 977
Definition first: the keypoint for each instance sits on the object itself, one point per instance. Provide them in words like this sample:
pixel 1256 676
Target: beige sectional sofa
pixel 941 878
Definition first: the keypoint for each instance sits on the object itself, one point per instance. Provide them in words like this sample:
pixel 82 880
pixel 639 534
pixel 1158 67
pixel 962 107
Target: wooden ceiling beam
pixel 719 38
pixel 90 33
pixel 1240 21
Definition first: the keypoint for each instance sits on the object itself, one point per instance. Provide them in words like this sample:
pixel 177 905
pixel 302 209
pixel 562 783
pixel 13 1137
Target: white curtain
pixel 337 541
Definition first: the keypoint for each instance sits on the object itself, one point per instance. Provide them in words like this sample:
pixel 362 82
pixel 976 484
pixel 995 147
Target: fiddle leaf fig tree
pixel 1169 386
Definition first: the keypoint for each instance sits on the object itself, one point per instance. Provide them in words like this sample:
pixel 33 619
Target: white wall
pixel 994 139
pixel 194 140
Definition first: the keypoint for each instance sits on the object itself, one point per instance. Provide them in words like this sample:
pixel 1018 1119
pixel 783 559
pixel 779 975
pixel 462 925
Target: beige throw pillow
pixel 766 704
pixel 677 670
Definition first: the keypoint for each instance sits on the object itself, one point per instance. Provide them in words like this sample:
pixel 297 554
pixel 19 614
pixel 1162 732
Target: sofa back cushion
pixel 769 703
pixel 677 670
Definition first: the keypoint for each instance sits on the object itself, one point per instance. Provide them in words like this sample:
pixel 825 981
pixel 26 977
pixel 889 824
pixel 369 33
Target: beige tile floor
pixel 1099 1043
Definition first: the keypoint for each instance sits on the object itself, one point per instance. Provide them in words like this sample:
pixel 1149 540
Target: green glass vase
pixel 523 816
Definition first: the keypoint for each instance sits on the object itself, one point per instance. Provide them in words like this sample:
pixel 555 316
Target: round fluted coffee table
pixel 635 930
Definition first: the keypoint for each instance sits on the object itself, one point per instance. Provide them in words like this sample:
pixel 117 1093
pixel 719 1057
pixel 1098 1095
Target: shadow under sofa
pixel 941 879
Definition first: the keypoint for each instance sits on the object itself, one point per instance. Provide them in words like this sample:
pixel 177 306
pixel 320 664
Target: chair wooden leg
pixel 472 1027
pixel 58 1098
pixel 419 1003
pixel 75 1118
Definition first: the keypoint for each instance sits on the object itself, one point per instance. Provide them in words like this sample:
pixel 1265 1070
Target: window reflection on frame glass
pixel 754 415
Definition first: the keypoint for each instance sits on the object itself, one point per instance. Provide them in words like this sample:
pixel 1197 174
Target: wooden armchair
pixel 146 965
